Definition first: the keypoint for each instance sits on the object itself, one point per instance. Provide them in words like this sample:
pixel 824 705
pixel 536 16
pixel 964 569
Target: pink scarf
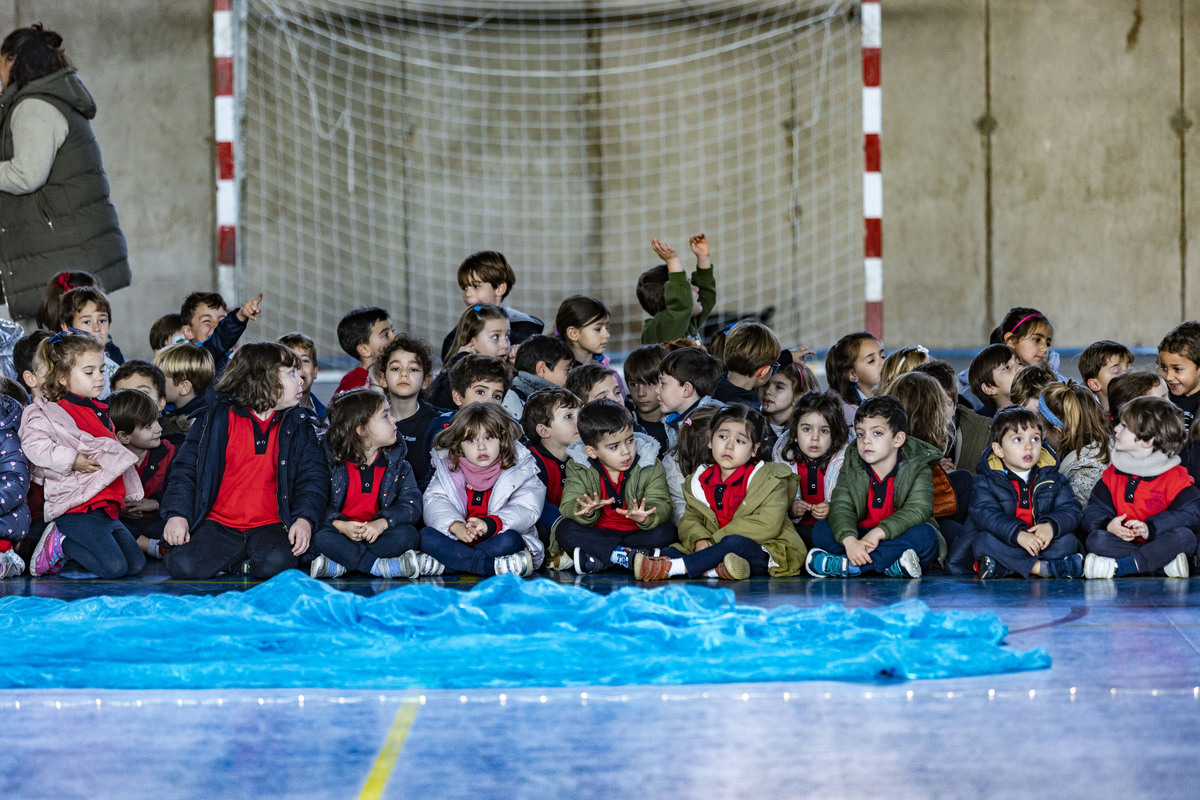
pixel 479 479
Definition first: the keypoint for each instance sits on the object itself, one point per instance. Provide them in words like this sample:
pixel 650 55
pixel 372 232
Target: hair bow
pixel 63 281
pixel 478 307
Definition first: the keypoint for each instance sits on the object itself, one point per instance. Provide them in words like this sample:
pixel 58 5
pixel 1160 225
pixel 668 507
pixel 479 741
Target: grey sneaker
pixel 1178 568
pixel 906 566
pixel 323 567
pixel 398 567
pixel 519 563
pixel 421 564
pixel 12 565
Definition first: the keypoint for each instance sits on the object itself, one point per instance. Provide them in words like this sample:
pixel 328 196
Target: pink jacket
pixel 51 440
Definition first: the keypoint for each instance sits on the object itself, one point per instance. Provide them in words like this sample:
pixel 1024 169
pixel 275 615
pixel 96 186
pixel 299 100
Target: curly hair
pixel 60 353
pixel 252 377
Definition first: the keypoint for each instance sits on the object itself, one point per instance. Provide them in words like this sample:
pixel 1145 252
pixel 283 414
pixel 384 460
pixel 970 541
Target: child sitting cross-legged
pixel 374 502
pixel 250 481
pixel 814 447
pixel 881 513
pixel 736 523
pixel 483 504
pixel 1023 511
pixel 1145 511
pixel 615 499
pixel 88 476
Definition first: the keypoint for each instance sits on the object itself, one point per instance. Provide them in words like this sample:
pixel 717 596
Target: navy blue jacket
pixel 994 500
pixel 399 497
pixel 1184 511
pixel 196 472
pixel 14 469
pixel 222 340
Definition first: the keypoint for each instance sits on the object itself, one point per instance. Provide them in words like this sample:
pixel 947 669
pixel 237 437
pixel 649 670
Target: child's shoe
pixel 906 566
pixel 1178 568
pixel 419 564
pixel 1071 567
pixel 821 564
pixel 11 564
pixel 323 567
pixel 989 568
pixel 650 568
pixel 157 548
pixel 396 567
pixel 588 565
pixel 519 563
pixel 732 568
pixel 1095 566
pixel 48 557
pixel 560 561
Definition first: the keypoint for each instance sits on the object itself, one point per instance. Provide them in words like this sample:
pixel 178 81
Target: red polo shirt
pixel 248 495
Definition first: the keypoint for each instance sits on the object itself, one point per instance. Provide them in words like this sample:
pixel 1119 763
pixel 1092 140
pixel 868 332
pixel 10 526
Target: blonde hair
pixel 187 362
pixel 906 359
pixel 1083 421
pixel 59 353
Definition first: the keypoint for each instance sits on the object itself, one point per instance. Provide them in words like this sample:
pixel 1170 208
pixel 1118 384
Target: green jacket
pixel 69 223
pixel 762 516
pixel 646 480
pixel 973 430
pixel 912 493
pixel 676 320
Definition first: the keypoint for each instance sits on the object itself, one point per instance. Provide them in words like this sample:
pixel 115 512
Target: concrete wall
pixel 149 65
pixel 1085 177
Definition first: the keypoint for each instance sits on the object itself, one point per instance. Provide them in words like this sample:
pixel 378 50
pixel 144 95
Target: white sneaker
pixel 323 567
pixel 1178 568
pixel 519 563
pixel 11 564
pixel 417 564
pixel 561 561
pixel 1095 566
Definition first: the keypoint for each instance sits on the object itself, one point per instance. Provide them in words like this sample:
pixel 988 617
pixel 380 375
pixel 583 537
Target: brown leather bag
pixel 944 501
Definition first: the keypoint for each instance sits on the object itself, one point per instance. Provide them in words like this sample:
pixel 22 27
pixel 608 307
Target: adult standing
pixel 55 212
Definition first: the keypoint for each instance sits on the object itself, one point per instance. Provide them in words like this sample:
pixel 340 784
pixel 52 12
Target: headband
pixel 58 337
pixel 1048 414
pixel 1024 320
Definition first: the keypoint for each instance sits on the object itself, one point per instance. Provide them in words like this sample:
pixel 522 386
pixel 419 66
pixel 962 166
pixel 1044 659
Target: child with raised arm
pixel 676 308
pixel 87 475
pixel 207 322
pixel 736 523
pixel 615 499
pixel 374 502
pixel 362 334
pixel 483 504
pixel 1023 511
pixel 1145 511
pixel 881 513
pixel 250 482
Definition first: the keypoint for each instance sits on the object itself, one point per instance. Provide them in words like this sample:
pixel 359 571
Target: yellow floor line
pixel 390 752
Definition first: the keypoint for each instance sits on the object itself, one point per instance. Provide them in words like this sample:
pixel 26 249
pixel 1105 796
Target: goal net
pixel 379 143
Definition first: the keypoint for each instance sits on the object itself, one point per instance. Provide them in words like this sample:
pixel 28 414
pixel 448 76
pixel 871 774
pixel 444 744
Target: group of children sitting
pixel 529 451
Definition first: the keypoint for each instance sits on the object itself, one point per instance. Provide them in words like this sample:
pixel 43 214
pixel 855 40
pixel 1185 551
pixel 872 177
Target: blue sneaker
pixel 906 566
pixel 821 564
pixel 1069 567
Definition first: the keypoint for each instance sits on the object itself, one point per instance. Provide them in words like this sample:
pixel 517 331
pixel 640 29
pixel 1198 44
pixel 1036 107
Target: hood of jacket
pixel 989 461
pixel 647 451
pixel 10 413
pixel 64 85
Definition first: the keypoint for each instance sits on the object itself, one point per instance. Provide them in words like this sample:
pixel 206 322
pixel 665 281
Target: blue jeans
pixel 922 538
pixel 477 559
pixel 599 543
pixel 702 561
pixel 1015 559
pixel 361 556
pixel 101 544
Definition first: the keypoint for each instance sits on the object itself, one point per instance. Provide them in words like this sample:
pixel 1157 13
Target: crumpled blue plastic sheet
pixel 295 632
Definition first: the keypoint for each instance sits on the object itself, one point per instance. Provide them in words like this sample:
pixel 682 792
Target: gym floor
pixel 1117 714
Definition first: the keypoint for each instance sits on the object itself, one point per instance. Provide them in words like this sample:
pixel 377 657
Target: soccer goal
pixel 379 143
